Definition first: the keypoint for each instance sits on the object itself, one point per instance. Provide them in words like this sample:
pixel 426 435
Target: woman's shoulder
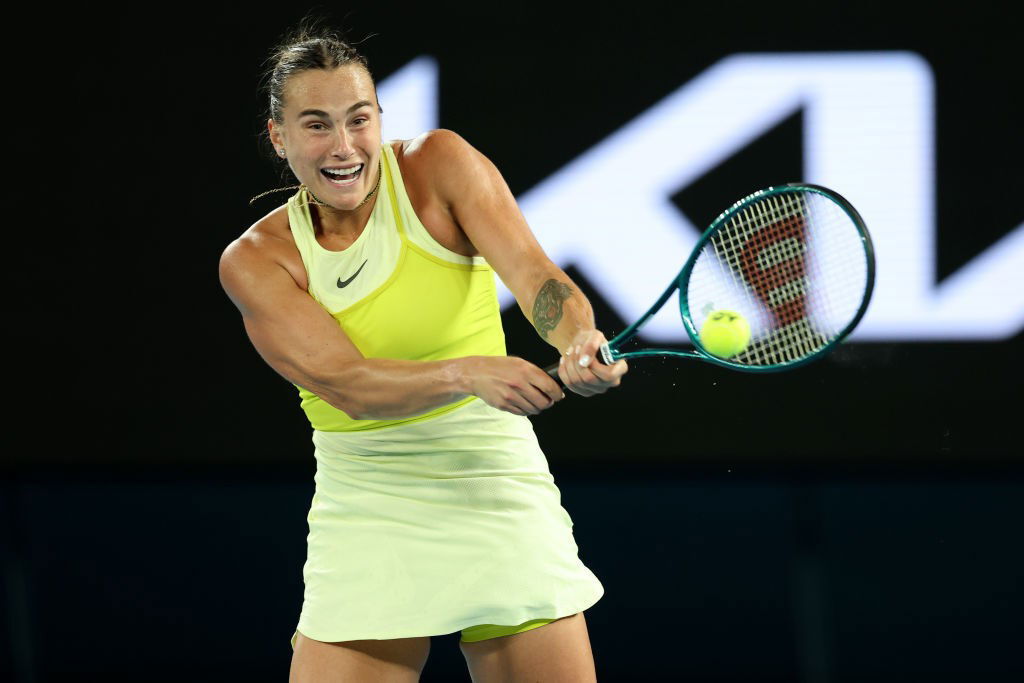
pixel 432 147
pixel 271 231
pixel 424 160
pixel 270 238
pixel 435 159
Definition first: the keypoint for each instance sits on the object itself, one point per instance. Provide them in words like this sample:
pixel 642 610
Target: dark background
pixel 152 518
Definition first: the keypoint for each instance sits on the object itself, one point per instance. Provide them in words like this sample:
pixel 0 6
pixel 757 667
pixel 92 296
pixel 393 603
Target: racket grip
pixel 552 370
pixel 604 355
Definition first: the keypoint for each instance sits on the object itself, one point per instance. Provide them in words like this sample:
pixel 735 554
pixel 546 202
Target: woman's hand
pixel 512 384
pixel 581 369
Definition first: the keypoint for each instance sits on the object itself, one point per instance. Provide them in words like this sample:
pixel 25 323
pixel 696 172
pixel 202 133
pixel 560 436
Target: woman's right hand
pixel 512 384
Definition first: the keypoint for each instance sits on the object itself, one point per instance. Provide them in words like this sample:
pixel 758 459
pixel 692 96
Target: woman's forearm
pixel 385 388
pixel 560 311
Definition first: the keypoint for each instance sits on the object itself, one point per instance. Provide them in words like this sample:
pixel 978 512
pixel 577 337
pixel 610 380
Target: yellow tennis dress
pixel 440 522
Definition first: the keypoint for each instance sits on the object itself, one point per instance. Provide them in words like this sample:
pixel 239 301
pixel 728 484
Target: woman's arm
pixel 478 199
pixel 306 346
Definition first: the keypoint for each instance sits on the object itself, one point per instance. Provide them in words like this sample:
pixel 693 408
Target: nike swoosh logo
pixel 345 283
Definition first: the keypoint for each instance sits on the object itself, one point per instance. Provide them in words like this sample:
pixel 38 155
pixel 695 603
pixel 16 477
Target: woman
pixel 372 291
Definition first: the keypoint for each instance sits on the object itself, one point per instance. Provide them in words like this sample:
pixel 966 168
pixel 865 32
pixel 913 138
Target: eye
pixel 361 120
pixel 314 126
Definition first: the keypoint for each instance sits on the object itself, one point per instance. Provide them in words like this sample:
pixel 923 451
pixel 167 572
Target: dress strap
pixel 387 155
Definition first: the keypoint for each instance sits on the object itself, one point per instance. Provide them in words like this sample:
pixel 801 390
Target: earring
pixel 281 152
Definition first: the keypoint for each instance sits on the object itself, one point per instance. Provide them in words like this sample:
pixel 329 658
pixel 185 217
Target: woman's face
pixel 331 128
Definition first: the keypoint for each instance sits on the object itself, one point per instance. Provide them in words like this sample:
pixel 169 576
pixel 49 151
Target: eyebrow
pixel 323 114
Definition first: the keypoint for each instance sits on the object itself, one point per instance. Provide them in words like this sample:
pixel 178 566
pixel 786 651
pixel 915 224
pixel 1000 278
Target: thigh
pixel 385 661
pixel 558 652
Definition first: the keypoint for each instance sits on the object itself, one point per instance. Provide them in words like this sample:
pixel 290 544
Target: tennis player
pixel 372 290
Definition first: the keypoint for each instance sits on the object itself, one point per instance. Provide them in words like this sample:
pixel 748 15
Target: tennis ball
pixel 725 334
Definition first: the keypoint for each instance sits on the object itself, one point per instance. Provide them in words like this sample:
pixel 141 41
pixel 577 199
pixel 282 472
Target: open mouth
pixel 342 176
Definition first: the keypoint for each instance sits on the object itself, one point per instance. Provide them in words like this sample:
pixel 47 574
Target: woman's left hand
pixel 581 369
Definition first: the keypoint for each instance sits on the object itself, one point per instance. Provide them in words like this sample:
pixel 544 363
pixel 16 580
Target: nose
pixel 343 147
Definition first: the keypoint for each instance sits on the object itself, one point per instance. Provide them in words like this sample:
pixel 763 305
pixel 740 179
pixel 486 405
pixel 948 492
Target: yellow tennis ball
pixel 725 334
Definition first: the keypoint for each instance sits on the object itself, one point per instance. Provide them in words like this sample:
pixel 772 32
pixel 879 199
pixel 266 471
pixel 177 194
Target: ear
pixel 276 138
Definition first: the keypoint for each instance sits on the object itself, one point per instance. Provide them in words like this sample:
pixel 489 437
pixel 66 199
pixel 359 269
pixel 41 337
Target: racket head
pixel 796 261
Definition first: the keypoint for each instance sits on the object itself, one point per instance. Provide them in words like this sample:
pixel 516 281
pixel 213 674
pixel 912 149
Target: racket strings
pixel 792 264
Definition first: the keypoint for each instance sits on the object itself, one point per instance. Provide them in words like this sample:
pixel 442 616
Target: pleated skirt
pixel 432 527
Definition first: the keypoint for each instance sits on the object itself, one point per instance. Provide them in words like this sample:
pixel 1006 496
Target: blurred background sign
pixel 867 124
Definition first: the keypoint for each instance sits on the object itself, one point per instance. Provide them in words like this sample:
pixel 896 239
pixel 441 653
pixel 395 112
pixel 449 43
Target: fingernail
pixel 561 360
pixel 584 360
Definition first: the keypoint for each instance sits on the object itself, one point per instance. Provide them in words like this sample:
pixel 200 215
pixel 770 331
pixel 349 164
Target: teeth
pixel 346 171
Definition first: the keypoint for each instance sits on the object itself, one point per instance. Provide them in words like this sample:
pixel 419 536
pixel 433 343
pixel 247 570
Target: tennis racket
pixel 795 262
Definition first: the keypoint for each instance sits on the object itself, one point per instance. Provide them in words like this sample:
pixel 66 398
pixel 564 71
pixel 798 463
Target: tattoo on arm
pixel 547 307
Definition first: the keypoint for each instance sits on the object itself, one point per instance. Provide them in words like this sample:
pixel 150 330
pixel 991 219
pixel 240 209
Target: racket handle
pixel 552 370
pixel 604 355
